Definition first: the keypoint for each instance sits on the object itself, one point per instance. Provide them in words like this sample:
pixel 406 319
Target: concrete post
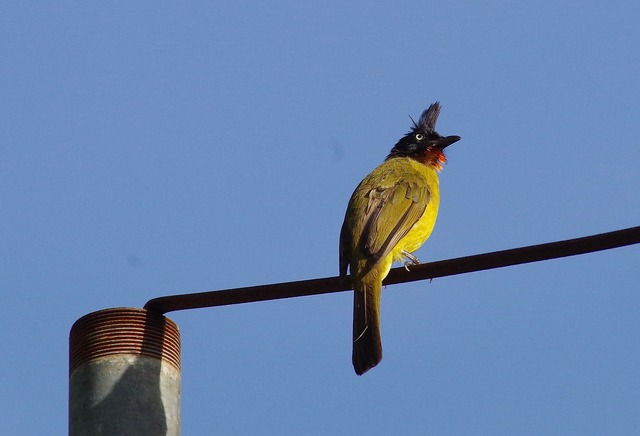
pixel 124 374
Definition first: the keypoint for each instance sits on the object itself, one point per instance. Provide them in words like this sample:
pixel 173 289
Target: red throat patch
pixel 433 157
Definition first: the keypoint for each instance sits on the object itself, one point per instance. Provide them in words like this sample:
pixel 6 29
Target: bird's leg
pixel 412 259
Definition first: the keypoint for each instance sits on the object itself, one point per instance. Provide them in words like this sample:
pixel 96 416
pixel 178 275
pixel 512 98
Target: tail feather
pixel 367 343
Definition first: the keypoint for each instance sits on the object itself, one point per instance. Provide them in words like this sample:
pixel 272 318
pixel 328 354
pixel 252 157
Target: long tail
pixel 367 344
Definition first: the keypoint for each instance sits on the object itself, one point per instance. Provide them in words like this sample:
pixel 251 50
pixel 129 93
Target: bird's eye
pixel 419 136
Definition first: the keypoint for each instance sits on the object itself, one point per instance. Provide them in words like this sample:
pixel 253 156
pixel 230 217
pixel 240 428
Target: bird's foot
pixel 412 260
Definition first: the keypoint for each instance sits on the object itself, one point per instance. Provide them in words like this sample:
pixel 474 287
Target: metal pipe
pixel 443 268
pixel 124 374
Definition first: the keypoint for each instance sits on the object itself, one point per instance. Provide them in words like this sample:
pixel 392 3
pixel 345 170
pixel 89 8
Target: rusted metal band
pixel 123 331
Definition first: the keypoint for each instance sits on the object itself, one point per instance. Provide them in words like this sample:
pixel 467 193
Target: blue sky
pixel 153 149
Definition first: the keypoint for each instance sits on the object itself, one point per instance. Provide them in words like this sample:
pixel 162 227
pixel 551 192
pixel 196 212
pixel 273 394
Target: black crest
pixel 422 135
pixel 427 121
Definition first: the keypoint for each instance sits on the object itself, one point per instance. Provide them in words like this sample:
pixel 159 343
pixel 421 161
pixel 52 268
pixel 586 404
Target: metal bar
pixel 443 268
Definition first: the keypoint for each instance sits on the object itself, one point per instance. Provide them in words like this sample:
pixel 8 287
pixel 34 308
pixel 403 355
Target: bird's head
pixel 423 143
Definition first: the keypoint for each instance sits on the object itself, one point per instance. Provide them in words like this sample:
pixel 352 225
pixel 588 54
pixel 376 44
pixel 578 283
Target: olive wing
pixel 391 211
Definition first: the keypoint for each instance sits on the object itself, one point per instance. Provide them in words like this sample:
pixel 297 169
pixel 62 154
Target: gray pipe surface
pixel 124 374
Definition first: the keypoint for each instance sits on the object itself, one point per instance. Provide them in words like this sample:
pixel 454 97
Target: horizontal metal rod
pixel 443 268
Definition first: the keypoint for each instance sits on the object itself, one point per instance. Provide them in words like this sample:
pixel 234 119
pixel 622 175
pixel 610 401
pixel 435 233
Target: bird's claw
pixel 412 260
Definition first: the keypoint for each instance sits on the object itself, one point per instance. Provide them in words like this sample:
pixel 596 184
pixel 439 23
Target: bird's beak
pixel 446 141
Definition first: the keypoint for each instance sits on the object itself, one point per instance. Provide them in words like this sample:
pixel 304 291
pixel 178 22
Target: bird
pixel 390 214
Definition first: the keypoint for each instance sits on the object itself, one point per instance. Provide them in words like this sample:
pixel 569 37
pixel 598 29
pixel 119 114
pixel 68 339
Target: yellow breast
pixel 422 229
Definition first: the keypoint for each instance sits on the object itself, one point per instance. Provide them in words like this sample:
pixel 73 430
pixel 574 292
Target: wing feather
pixel 390 214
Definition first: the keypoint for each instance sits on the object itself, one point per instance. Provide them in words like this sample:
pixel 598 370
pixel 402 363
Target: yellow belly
pixel 422 229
